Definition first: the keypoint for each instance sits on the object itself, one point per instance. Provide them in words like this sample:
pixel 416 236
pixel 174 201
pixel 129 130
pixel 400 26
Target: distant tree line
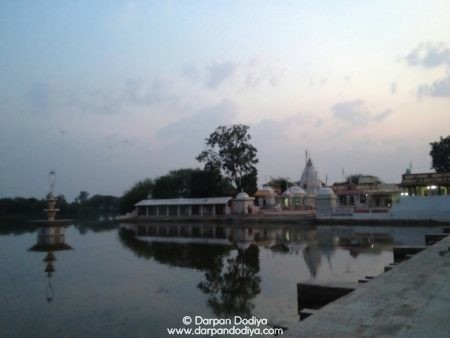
pixel 83 206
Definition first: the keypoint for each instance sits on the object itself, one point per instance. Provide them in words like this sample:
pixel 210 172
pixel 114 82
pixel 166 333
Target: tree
pixel 440 155
pixel 103 203
pixel 138 192
pixel 82 197
pixel 191 183
pixel 210 183
pixel 168 186
pixel 280 183
pixel 228 149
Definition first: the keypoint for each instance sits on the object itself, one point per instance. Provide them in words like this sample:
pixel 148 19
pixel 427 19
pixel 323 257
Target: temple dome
pixel 295 190
pixel 242 196
pixel 325 192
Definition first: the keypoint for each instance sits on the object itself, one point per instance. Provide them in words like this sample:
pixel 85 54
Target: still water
pixel 137 280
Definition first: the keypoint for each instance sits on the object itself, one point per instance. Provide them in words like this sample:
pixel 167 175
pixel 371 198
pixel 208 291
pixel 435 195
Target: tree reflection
pixel 187 255
pixel 232 289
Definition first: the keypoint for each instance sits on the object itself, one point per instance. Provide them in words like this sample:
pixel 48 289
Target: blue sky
pixel 110 92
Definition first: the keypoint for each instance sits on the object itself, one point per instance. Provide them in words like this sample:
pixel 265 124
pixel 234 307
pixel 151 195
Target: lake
pixel 100 280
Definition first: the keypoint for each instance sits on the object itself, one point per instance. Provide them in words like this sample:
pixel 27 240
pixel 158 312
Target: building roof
pixel 265 192
pixel 424 179
pixel 184 201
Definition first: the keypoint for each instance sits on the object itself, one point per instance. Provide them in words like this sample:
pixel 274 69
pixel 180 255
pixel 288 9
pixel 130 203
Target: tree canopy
pixel 191 183
pixel 229 150
pixel 440 154
pixel 136 193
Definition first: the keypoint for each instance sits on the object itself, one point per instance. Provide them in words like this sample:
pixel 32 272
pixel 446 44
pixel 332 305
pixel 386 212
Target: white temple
pixel 309 180
pixel 310 183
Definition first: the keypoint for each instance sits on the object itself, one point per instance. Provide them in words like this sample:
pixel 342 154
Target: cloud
pixel 43 98
pixel 351 111
pixel 429 55
pixel 381 116
pixel 356 112
pixel 439 88
pixel 93 101
pixel 40 98
pixel 200 125
pixel 219 72
pixel 275 130
pixel 393 88
pixel 140 92
pixel 259 75
pixel 322 81
pixel 250 74
pixel 191 72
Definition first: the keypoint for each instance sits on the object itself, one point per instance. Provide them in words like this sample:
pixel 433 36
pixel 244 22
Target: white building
pixel 212 206
pixel 243 204
pixel 184 207
pixel 293 198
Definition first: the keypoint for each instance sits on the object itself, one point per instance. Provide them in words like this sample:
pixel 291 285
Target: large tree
pixel 174 184
pixel 191 183
pixel 138 192
pixel 210 183
pixel 440 154
pixel 229 149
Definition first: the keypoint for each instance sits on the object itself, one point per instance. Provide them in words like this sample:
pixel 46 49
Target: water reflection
pixel 312 257
pixel 175 254
pixel 186 244
pixel 229 255
pixel 357 240
pixel 232 289
pixel 231 284
pixel 139 284
pixel 50 238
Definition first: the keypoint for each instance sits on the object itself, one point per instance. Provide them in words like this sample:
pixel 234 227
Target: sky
pixel 106 93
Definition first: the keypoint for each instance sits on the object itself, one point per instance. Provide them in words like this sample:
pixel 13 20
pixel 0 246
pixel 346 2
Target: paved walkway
pixel 411 300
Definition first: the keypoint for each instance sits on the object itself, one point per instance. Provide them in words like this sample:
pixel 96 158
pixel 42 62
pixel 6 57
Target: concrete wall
pixel 436 208
pixel 422 207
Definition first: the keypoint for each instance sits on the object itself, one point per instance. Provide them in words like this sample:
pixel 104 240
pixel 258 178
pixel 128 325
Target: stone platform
pixel 411 300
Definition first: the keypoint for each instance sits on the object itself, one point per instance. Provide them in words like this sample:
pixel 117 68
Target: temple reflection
pixel 50 238
pixel 229 254
pixel 355 240
pixel 311 242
